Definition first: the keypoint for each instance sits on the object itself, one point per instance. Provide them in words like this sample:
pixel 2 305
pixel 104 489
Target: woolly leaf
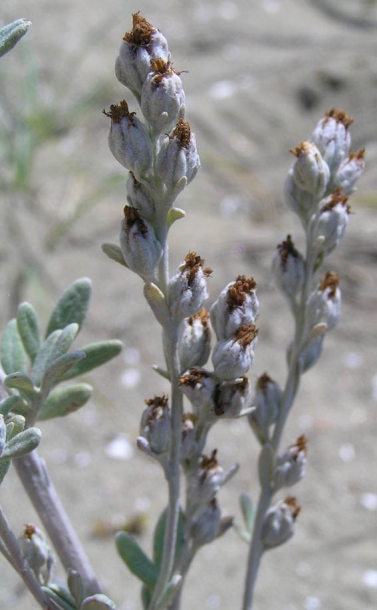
pixel 20 382
pixel 12 352
pixel 72 306
pixel 135 559
pixel 13 403
pixel 44 357
pixel 114 253
pixel 58 368
pixel 22 443
pixel 63 401
pixel 159 534
pixel 95 355
pixel 97 602
pixel 28 328
pixel 11 33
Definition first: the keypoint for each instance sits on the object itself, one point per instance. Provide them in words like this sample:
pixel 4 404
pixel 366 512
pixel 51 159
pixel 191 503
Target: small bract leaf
pixel 43 357
pixel 58 368
pixel 28 329
pixel 114 252
pixel 96 354
pixel 20 382
pixel 157 303
pixel 76 586
pixel 12 352
pixel 247 511
pixel 63 401
pixel 97 602
pixel 135 559
pixel 22 443
pixel 174 214
pixel 72 306
pixel 60 596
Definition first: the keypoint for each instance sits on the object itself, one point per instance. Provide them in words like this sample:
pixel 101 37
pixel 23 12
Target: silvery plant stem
pixel 12 552
pixel 289 394
pixel 33 474
pixel 172 473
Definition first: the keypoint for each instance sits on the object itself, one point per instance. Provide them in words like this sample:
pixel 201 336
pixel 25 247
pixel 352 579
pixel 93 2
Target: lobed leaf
pixel 12 352
pixel 136 560
pixel 63 401
pixel 28 328
pixel 72 306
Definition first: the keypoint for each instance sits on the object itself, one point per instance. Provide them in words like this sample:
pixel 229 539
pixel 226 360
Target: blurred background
pixel 259 76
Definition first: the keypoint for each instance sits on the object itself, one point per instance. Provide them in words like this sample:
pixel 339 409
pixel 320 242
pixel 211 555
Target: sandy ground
pixel 260 75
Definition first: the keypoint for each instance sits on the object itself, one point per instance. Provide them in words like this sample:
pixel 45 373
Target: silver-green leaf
pixel 62 401
pixel 22 443
pixel 12 352
pixel 135 559
pixel 28 328
pixel 96 354
pixel 72 306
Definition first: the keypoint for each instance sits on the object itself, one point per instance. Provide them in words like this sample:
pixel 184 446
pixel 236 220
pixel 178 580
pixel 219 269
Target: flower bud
pixel 155 424
pixel 139 46
pixel 290 465
pixel 194 344
pixel 332 221
pixel 204 483
pixel 312 350
pixel 299 201
pixel 178 160
pixel 350 171
pixel 332 138
pixel 232 358
pixel 129 140
pixel 189 445
pixel 278 525
pixel 324 303
pixel 199 386
pixel 188 287
pixel 310 172
pixel 288 267
pixel 267 402
pixel 205 523
pixel 139 245
pixel 37 553
pixel 237 304
pixel 139 197
pixel 232 398
pixel 162 97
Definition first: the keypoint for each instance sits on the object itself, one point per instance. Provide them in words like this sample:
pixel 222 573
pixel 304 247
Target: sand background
pixel 260 75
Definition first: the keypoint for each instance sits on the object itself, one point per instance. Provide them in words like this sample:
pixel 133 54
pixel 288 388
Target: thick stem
pixel 33 474
pixel 16 558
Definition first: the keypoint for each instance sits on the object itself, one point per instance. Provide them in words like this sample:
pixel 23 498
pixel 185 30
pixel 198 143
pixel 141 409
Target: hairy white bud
pixel 139 197
pixel 288 267
pixel 199 386
pixel 310 172
pixel 162 97
pixel 188 287
pixel 194 344
pixel 232 358
pixel 349 171
pixel 290 465
pixel 139 46
pixel 267 405
pixel 232 398
pixel 237 304
pixel 139 245
pixel 332 138
pixel 279 523
pixel 324 303
pixel 155 424
pixel 129 140
pixel 331 222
